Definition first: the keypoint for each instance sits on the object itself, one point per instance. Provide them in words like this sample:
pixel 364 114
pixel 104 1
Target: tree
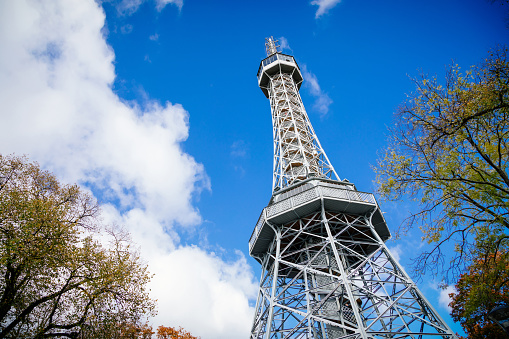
pixel 172 333
pixel 483 287
pixel 62 274
pixel 126 331
pixel 449 151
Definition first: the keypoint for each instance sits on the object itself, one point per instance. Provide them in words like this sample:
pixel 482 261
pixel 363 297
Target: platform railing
pixel 323 189
pixel 271 59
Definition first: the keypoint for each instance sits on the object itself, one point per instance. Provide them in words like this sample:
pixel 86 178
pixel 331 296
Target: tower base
pixel 329 275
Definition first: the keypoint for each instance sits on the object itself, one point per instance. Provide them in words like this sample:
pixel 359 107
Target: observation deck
pixel 277 63
pixel 307 197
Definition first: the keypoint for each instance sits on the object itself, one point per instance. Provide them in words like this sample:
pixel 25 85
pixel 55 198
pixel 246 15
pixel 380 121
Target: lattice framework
pixel 297 150
pixel 326 273
pixel 318 265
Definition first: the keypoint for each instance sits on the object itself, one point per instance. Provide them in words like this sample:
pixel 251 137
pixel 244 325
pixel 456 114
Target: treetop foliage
pixel 449 151
pixel 483 287
pixel 173 333
pixel 58 277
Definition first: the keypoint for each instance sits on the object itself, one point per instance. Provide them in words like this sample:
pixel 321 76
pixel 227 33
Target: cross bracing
pixel 329 275
pixel 297 151
pixel 326 272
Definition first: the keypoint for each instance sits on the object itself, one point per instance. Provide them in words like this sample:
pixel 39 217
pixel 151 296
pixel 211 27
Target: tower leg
pixel 328 275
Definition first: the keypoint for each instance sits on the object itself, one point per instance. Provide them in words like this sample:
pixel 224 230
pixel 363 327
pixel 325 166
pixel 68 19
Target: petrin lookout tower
pixel 326 272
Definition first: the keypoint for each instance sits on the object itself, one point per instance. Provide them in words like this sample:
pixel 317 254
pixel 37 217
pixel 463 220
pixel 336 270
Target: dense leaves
pixel 61 273
pixel 484 286
pixel 173 333
pixel 449 151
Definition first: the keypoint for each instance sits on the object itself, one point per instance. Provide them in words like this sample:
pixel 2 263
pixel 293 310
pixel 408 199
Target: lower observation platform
pixel 307 197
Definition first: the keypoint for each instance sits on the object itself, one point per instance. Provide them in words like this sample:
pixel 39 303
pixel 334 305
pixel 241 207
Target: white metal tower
pixel 326 272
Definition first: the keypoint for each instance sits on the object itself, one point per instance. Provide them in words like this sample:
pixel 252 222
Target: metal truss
pixel 329 275
pixel 297 151
pixel 326 272
pixel 271 46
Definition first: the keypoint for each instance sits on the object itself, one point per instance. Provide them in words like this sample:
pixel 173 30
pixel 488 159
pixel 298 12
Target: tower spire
pixel 326 271
pixel 271 46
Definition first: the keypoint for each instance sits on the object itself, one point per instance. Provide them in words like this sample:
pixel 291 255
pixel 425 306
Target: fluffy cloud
pixel 444 299
pixel 162 3
pixel 58 106
pixel 129 7
pixel 56 75
pixel 238 149
pixel 324 6
pixel 211 300
pixel 195 289
pixel 322 99
pixel 396 252
pixel 284 44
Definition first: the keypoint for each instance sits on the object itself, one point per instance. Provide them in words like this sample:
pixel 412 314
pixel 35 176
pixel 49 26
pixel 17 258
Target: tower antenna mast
pixel 271 46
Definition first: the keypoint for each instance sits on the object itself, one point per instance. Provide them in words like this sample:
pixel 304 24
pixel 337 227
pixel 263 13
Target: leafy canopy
pixel 173 333
pixel 449 151
pixel 483 287
pixel 62 274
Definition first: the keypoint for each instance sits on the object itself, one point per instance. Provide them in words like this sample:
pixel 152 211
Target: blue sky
pixel 153 106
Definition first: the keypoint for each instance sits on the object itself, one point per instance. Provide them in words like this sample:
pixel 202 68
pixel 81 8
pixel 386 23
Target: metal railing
pixel 304 194
pixel 273 58
pixel 256 230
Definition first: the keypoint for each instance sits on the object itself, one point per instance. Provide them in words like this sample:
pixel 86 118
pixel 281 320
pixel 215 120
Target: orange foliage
pixel 172 333
pixel 480 289
pixel 130 331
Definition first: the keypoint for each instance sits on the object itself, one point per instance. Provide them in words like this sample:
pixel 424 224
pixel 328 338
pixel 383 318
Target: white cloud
pixel 322 101
pixel 212 300
pixel 324 6
pixel 154 37
pixel 284 44
pixel 58 107
pixel 238 149
pixel 129 7
pixel 126 29
pixel 160 4
pixel 444 299
pixel 396 252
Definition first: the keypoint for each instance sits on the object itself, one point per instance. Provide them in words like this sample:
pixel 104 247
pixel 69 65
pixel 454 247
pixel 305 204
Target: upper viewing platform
pixel 277 63
pixel 307 197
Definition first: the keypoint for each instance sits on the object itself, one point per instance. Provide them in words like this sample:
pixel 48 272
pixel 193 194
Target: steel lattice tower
pixel 326 272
